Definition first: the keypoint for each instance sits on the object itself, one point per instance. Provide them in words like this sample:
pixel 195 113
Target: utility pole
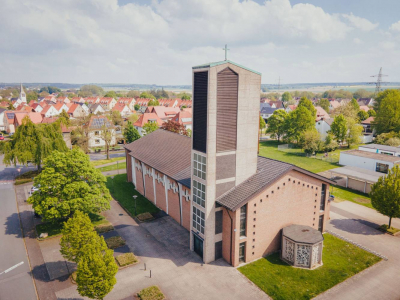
pixel 378 81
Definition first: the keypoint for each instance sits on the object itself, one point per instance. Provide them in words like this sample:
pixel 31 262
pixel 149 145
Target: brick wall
pixel 139 181
pixel 173 205
pixel 284 203
pixel 149 186
pixel 185 210
pixel 226 234
pixel 160 195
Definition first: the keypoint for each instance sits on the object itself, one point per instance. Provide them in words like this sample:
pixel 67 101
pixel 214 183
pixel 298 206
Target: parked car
pixel 34 189
pixel 1 137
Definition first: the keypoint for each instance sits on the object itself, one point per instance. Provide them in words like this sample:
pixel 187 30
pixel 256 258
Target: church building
pixel 21 98
pixel 233 202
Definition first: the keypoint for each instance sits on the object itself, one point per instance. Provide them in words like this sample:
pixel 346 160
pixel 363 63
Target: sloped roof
pixel 120 107
pixel 213 64
pixel 162 111
pixel 97 122
pixel 180 116
pixel 364 108
pixel 35 117
pixel 72 108
pixel 368 121
pixel 144 118
pixel 321 112
pixel 268 110
pixel 173 160
pixel 268 171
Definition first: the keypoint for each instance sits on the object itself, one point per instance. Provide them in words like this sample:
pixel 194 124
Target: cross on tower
pixel 226 51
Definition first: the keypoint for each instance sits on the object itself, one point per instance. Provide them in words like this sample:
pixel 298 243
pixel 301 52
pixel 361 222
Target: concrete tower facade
pixel 226 99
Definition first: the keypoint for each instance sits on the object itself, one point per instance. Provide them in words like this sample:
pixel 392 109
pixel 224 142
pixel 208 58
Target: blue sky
pixel 143 41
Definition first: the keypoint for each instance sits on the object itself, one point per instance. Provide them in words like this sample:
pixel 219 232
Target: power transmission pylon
pixel 379 81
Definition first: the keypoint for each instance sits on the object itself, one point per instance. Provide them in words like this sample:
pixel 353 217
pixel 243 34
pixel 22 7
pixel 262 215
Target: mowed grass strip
pixel 280 281
pixel 122 191
pixel 270 149
pixel 343 194
pixel 119 166
pixel 107 161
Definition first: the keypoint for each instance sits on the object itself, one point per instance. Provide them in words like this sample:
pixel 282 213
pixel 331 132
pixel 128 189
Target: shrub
pixel 151 293
pixel 126 259
pixel 22 181
pixel 104 228
pixel 115 242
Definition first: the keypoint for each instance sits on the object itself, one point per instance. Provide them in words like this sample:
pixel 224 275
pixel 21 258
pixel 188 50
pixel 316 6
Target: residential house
pixel 169 102
pixel 291 107
pixel 187 103
pixel 143 103
pixel 78 99
pixel 63 99
pixel 8 121
pixel 276 104
pixel 344 102
pixel 372 161
pixel 96 109
pixel 76 111
pixel 107 103
pixel 146 118
pixel 130 102
pixel 367 124
pixel 51 98
pixel 37 107
pixel 164 113
pixel 233 203
pixel 61 106
pixel 96 125
pixel 35 117
pixel 364 108
pixel 321 113
pixel 50 111
pixel 266 112
pixel 184 118
pixel 92 100
pixel 333 104
pixel 366 101
pixel 123 109
pixel 4 104
pixel 323 126
pixel 2 119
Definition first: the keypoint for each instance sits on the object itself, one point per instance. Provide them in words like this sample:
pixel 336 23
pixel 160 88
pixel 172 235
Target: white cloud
pixel 395 26
pixel 360 23
pixel 101 41
pixel 357 41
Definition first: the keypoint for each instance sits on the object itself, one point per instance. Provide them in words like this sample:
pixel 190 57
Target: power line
pixel 379 81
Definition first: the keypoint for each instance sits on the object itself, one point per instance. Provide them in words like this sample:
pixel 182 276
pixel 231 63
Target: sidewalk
pixel 380 281
pixel 110 164
pixel 114 172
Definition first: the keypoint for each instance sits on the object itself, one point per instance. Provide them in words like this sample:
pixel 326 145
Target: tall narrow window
pixel 321 223
pixel 323 194
pixel 199 166
pixel 243 220
pixel 198 219
pixel 242 252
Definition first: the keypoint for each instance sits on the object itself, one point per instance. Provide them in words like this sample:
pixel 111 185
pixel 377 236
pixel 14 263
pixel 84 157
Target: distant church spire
pixel 22 95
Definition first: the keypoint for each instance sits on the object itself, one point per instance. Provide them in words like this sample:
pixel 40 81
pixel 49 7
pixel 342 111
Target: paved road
pixel 18 283
pixel 381 281
pixel 104 156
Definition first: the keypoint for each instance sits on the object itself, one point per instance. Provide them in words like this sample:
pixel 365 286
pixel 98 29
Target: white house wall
pixel 361 162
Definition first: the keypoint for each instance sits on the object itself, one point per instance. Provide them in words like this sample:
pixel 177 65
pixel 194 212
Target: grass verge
pixel 391 230
pixel 270 149
pixel 343 194
pixel 118 166
pixel 54 229
pixel 122 191
pixel 151 293
pixel 26 177
pixel 115 242
pixel 126 259
pixel 104 228
pixel 341 260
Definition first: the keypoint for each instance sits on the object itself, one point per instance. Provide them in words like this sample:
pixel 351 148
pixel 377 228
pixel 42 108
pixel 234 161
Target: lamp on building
pixel 134 197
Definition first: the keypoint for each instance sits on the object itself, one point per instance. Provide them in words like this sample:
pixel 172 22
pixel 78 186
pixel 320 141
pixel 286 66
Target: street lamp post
pixel 112 179
pixel 134 197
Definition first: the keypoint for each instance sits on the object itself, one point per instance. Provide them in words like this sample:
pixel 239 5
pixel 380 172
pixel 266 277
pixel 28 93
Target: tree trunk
pixel 390 222
pixel 108 149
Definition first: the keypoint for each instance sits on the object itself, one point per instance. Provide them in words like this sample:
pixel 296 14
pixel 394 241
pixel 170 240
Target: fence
pixel 295 150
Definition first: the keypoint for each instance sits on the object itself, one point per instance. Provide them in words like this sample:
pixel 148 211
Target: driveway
pixel 163 246
pixel 381 281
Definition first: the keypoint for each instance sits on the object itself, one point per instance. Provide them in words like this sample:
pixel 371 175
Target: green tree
pixel 136 106
pixel 286 96
pixel 80 133
pixel 385 194
pixel 90 90
pixel 324 103
pixel 276 123
pixel 330 143
pixel 147 95
pixel 64 118
pixel 69 183
pixel 355 105
pixel 10 106
pixel 116 118
pixel 131 134
pixel 133 118
pixel 111 94
pixel 107 135
pixel 153 103
pixel 149 127
pixel 347 110
pixel 339 128
pixel 96 270
pixel 77 232
pixel 311 141
pixel 308 104
pixel 184 96
pixel 361 93
pixel 298 121
pixel 33 143
pixel 133 94
pixel 387 108
pixel 31 95
pixel 262 125
pixel 372 113
pixel 384 137
pixel 354 131
pixel 362 115
pixel 394 142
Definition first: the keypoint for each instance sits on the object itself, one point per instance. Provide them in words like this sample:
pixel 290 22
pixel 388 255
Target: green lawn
pixel 107 161
pixel 342 194
pixel 118 166
pixel 122 191
pixel 341 260
pixel 54 229
pixel 270 149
